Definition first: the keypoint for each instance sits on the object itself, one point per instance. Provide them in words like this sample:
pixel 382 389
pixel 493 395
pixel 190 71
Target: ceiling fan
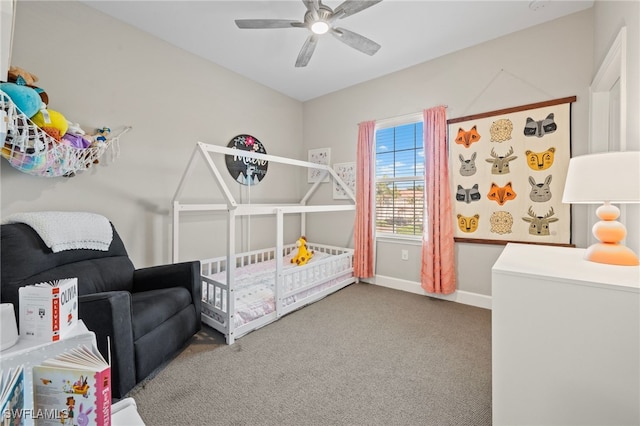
pixel 320 19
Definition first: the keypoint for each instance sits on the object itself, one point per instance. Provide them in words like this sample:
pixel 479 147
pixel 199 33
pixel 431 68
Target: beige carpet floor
pixel 366 355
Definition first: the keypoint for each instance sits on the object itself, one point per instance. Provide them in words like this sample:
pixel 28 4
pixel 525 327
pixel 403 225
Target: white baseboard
pixel 459 296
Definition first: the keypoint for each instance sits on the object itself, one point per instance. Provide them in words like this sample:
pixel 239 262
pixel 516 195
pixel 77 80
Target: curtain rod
pixel 403 116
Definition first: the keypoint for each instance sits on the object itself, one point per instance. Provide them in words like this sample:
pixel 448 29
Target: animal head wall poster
pixel 508 169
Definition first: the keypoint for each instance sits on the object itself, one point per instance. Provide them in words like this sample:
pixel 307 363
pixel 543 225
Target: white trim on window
pixel 411 118
pixel 396 238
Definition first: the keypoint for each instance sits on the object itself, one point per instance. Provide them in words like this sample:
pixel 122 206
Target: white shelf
pixel 78 335
pixel 30 353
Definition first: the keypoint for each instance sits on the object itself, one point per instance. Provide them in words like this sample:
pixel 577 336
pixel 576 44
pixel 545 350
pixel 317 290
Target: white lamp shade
pixel 610 176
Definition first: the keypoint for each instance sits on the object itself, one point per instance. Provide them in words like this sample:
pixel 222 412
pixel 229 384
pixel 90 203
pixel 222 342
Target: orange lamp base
pixel 610 232
pixel 611 254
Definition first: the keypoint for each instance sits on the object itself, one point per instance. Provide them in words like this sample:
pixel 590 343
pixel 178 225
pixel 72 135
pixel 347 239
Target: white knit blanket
pixel 68 230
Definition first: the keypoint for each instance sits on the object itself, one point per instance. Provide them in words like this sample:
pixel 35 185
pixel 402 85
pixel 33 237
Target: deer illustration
pixel 539 225
pixel 500 163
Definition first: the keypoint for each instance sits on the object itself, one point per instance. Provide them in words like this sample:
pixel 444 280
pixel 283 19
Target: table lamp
pixel 606 178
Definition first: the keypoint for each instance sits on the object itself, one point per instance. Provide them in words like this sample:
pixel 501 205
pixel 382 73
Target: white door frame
pixel 7 20
pixel 608 108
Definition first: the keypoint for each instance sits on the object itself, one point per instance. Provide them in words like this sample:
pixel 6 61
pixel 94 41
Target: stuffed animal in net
pixel 17 74
pixel 51 122
pixel 25 98
pixel 303 255
pixel 101 136
pixel 99 140
pixel 23 77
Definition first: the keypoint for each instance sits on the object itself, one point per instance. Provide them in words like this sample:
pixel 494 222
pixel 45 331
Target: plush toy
pixel 25 98
pixel 101 136
pixel 76 141
pixel 26 162
pixel 99 139
pixel 303 255
pixel 75 129
pixel 75 136
pixel 52 122
pixel 43 95
pixel 21 76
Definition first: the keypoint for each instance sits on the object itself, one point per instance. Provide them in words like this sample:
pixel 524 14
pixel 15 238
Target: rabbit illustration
pixel 83 417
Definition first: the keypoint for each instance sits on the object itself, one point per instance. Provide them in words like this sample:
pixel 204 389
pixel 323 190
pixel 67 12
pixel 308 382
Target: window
pixel 400 179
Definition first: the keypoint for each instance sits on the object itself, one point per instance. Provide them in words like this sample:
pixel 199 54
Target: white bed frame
pixel 290 282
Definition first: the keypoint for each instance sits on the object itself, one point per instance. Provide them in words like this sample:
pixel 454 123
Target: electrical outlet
pixel 404 254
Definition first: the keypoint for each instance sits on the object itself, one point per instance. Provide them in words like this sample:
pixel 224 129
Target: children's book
pixel 76 386
pixel 48 310
pixel 12 396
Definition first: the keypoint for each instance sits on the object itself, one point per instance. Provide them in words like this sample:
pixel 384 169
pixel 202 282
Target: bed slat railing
pixel 297 285
pixel 296 280
pixel 215 303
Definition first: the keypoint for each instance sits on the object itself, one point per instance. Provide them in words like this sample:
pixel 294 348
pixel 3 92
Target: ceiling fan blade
pixel 267 23
pixel 307 50
pixel 350 7
pixel 312 6
pixel 356 41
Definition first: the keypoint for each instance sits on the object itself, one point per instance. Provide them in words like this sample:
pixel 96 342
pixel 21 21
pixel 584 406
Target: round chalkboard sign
pixel 247 171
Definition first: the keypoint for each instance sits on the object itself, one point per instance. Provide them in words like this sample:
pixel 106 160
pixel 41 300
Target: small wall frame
pixel 319 156
pixel 346 172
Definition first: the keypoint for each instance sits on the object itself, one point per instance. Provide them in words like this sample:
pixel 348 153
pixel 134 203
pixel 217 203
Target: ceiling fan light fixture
pixel 319 27
pixel 320 19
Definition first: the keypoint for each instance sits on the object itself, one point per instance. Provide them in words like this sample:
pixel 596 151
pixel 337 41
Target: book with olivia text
pixel 48 310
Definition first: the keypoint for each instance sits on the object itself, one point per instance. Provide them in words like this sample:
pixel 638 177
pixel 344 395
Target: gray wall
pixel 101 72
pixel 549 61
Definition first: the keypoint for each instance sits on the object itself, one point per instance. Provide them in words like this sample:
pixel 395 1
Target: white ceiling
pixel 410 32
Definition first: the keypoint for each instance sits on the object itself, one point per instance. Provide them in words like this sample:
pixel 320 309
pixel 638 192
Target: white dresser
pixel 565 339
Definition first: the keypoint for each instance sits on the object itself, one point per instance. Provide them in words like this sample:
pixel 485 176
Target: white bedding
pixel 254 288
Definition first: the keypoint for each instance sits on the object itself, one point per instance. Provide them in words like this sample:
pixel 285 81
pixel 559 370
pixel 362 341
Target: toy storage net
pixel 29 149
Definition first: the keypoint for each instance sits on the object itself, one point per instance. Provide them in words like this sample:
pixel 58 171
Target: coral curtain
pixel 363 232
pixel 438 267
